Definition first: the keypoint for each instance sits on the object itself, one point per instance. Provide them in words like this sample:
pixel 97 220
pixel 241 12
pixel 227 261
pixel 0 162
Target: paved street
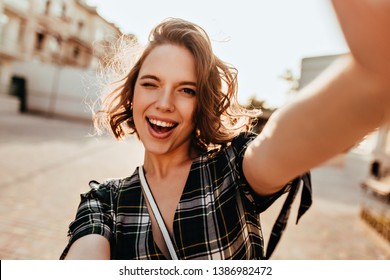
pixel 46 163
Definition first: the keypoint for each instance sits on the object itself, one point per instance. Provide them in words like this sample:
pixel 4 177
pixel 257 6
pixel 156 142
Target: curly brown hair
pixel 218 115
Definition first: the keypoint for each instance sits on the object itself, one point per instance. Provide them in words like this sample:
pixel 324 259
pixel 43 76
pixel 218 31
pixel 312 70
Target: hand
pixel 366 27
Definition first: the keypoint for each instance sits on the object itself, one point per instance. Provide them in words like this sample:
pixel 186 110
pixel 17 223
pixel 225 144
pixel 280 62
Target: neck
pixel 161 166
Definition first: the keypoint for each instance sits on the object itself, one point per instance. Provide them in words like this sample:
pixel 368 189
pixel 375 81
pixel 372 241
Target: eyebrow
pixel 149 77
pixel 158 79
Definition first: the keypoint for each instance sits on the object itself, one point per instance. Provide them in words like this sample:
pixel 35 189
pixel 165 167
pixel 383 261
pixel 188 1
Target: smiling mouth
pixel 161 126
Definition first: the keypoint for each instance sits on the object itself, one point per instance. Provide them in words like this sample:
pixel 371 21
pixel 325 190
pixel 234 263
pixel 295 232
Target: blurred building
pixel 43 36
pixel 377 144
pixel 375 148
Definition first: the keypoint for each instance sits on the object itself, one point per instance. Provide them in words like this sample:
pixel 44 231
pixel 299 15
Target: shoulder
pixel 110 187
pixel 229 158
pixel 237 144
pixel 242 140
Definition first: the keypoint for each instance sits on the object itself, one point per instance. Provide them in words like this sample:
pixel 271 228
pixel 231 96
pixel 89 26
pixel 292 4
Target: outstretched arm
pixel 335 111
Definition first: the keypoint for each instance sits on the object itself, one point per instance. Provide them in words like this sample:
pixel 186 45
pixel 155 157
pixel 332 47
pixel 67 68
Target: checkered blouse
pixel 217 216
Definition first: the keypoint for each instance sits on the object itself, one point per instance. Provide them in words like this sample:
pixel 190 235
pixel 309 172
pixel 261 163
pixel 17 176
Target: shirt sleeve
pixel 239 146
pixel 95 214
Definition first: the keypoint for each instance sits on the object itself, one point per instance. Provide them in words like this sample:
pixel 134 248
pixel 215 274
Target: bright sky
pixel 261 38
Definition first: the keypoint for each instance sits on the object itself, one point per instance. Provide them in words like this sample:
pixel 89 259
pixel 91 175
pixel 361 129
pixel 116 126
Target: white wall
pixel 57 90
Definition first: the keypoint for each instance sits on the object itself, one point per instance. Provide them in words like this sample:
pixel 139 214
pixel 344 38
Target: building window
pixel 59 42
pixel 40 38
pixel 80 25
pixel 76 52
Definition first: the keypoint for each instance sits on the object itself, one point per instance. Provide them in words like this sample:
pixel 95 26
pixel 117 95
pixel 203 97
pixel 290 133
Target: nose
pixel 165 101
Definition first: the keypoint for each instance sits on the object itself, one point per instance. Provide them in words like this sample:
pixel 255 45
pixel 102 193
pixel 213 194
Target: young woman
pixel 209 175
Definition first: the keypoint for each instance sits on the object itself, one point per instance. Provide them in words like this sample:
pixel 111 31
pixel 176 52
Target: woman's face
pixel 164 100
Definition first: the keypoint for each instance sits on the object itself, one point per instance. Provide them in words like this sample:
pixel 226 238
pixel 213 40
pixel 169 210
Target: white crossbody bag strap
pixel 157 214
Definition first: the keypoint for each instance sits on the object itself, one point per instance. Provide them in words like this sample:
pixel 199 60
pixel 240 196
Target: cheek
pixel 142 99
pixel 191 113
pixel 138 105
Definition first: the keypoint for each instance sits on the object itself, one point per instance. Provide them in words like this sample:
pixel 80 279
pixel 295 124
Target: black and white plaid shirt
pixel 217 216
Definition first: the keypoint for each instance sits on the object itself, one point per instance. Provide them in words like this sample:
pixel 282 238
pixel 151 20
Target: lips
pixel 161 128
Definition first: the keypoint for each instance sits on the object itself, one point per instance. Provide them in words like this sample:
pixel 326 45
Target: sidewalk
pixel 46 163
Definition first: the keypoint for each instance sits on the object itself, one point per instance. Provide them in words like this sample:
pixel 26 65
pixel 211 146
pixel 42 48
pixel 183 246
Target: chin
pixel 156 148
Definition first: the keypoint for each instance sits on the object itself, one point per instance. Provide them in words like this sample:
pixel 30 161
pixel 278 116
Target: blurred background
pixel 50 53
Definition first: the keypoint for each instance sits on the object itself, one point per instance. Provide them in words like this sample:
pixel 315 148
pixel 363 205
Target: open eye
pixel 189 91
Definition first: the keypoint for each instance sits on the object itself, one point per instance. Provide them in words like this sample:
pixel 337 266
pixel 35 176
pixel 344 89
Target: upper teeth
pixel 161 123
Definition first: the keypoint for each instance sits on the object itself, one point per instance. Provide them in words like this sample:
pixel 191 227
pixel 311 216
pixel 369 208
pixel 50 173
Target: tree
pixel 289 77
